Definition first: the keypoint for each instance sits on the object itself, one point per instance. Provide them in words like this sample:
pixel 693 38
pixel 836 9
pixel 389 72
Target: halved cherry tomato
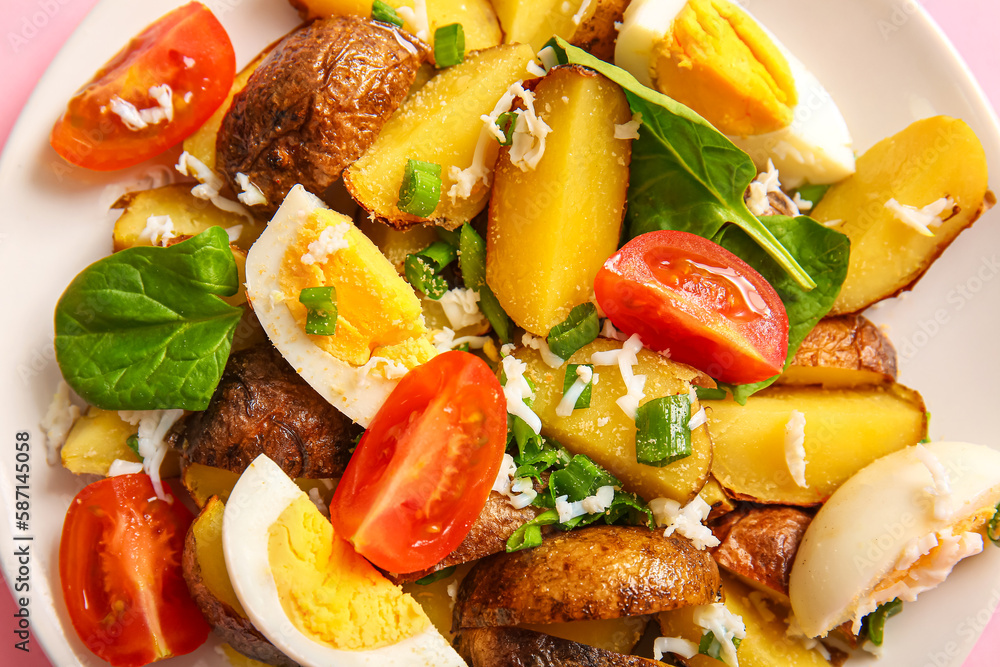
pixel 424 468
pixel 187 50
pixel 683 293
pixel 120 566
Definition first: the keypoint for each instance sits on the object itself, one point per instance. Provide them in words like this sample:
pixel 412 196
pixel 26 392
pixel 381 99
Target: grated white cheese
pixel 940 491
pixel 686 521
pixel 836 222
pixel 629 130
pixel 209 185
pixel 516 390
pixel 188 62
pixel 699 418
pixel 445 340
pixel 584 375
pixel 921 219
pixel 535 69
pixel 139 119
pixel 608 330
pixel 625 358
pixel 127 112
pixel 416 19
pixel 465 180
pixel 594 504
pixel 551 359
pixel 676 645
pixel 802 204
pixel 234 232
pixel 795 451
pixel 507 349
pixel 520 491
pixel 58 421
pixel 461 307
pixel 153 428
pixel 331 239
pixel 123 467
pixel 548 58
pixel 580 13
pixel 765 183
pixel 528 141
pixel 725 625
pixel 251 194
pixel 159 230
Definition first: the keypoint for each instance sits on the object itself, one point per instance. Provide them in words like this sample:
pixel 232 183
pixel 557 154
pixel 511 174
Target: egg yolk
pixel 718 61
pixel 378 313
pixel 329 592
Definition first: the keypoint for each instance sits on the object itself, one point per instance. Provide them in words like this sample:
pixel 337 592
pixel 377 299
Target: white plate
pixel 884 62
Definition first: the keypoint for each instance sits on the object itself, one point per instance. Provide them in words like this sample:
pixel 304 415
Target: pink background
pixel 33 31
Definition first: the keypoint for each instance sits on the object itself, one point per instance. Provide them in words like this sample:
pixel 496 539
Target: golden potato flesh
pixel 552 227
pixel 930 160
pixel 205 482
pixel 534 22
pixel 845 430
pixel 189 214
pixel 844 351
pixel 100 437
pixel 766 644
pixel 441 124
pixel 606 434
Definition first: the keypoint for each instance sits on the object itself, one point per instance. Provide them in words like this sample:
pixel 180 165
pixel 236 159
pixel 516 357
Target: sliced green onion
pixel 662 433
pixel 993 529
pixel 583 401
pixel 423 269
pixel 420 191
pixel 529 535
pixel 449 45
pixel 505 123
pixel 452 237
pixel 443 573
pixel 472 262
pixel 580 328
pixel 321 306
pixel 706 394
pixel 712 647
pixel 384 12
pixel 576 480
pixel 875 621
pixel 133 443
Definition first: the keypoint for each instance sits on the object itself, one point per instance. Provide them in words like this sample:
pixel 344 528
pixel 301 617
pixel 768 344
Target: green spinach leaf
pixel 145 329
pixel 685 174
pixel 823 252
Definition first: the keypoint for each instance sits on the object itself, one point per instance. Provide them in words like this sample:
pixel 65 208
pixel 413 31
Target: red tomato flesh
pixel 120 567
pixel 424 468
pixel 188 50
pixel 683 293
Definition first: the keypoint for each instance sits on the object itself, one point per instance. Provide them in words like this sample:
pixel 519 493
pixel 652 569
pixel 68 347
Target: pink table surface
pixel 33 31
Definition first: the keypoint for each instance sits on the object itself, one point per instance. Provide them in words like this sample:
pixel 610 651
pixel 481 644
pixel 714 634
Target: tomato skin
pixel 90 135
pixel 422 472
pixel 120 568
pixel 683 293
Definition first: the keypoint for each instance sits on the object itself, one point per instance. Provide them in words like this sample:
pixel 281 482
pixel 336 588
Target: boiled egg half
pixel 307 590
pixel 715 58
pixel 380 332
pixel 893 530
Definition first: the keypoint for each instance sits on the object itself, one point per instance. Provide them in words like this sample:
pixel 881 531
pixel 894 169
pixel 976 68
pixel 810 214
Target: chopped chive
pixel 662 433
pixel 505 123
pixel 420 190
pixel 875 621
pixel 449 45
pixel 321 308
pixel 580 328
pixel 423 269
pixel 706 394
pixel 443 573
pixel 576 480
pixel 712 647
pixel 529 535
pixel 133 443
pixel 452 237
pixel 993 529
pixel 385 12
pixel 472 262
pixel 583 401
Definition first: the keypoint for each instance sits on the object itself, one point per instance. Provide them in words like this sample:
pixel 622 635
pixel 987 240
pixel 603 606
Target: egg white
pixel 355 391
pixel 261 494
pixel 816 147
pixel 860 533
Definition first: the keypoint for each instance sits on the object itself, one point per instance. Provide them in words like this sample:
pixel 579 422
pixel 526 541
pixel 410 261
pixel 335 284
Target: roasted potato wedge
pixel 204 567
pixel 440 123
pixel 716 497
pixel 263 406
pixel 606 434
pixel 548 235
pixel 760 544
pixel 517 647
pixel 931 159
pixel 844 351
pixel 592 573
pixel 766 644
pixel 189 215
pixel 597 32
pixel 98 438
pixel 315 104
pixel 611 634
pixel 535 22
pixel 845 430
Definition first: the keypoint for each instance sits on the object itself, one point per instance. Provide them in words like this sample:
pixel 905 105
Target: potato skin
pixel 850 342
pixel 760 544
pixel 517 647
pixel 262 406
pixel 598 34
pixel 315 104
pixel 592 573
